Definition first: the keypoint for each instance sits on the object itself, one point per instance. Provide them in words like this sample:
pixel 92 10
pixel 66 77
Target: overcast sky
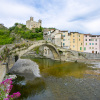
pixel 72 15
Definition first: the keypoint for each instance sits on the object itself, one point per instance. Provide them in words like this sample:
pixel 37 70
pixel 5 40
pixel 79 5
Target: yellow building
pixel 77 41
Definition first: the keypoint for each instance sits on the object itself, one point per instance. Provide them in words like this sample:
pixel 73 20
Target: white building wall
pixel 58 39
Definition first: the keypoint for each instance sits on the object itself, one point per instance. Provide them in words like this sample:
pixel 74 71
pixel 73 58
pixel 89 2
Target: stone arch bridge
pixel 52 47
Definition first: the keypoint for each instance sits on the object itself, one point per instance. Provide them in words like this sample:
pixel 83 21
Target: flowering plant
pixel 5 88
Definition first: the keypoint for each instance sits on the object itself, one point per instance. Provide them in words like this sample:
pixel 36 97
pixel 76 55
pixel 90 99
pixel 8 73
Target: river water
pixel 61 81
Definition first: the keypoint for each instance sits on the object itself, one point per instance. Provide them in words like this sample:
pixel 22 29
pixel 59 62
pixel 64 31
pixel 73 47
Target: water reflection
pixel 61 81
pixel 28 88
pixel 59 69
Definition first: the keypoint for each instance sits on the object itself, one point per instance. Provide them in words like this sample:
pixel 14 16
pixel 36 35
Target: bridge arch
pixel 53 49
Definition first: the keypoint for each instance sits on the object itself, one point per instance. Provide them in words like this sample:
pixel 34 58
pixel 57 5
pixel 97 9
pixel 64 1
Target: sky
pixel 73 15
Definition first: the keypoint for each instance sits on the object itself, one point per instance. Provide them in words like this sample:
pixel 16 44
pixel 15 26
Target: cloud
pixel 71 15
pixel 12 12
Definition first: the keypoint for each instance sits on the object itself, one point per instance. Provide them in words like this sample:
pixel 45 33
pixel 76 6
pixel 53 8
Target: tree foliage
pixel 26 33
pixel 6 38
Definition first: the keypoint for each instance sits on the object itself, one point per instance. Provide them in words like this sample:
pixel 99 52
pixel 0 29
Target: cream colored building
pixel 65 39
pixel 57 39
pixel 33 24
pixel 77 41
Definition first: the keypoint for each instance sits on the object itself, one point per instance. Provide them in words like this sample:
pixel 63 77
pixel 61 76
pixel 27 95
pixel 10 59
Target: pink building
pixel 91 43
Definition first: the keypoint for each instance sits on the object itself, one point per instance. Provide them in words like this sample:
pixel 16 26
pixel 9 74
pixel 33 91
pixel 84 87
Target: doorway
pixel 16 58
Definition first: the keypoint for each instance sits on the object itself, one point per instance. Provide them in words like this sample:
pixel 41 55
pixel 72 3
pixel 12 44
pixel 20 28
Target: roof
pixel 74 32
pixel 87 34
pixel 64 31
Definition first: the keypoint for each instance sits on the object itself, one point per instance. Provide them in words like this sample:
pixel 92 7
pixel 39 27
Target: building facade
pixel 65 39
pixel 74 41
pixel 92 43
pixel 77 41
pixel 33 24
pixel 53 36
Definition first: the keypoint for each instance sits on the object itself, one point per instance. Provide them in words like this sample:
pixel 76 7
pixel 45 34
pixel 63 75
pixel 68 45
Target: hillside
pixel 18 32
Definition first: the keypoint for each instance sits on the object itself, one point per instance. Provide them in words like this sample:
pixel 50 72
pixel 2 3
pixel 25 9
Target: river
pixel 61 81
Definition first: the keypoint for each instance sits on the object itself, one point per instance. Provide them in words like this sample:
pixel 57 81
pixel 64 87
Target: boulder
pixel 27 68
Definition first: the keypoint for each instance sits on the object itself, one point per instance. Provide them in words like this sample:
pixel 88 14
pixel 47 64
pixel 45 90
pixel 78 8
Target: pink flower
pixel 7 87
pixel 16 95
pixel 6 99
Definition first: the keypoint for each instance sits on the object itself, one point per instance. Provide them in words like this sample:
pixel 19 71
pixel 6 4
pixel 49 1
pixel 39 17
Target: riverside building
pixel 76 41
pixel 92 43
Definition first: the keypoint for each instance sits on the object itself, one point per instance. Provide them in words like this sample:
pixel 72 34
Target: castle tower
pixel 31 18
pixel 40 21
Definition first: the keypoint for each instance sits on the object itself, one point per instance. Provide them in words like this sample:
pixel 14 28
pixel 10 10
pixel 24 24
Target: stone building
pixel 47 53
pixel 33 24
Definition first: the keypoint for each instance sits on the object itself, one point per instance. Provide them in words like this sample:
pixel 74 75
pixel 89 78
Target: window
pixel 89 39
pixel 85 35
pixel 86 43
pixel 63 44
pixel 89 47
pixel 85 39
pixel 81 43
pixel 95 43
pixel 73 46
pixel 73 40
pixel 84 48
pixel 73 35
pixel 80 48
pixel 95 39
pixel 63 39
pixel 89 43
pixel 79 35
pixel 64 35
pixel 92 43
pixel 92 47
pixel 79 39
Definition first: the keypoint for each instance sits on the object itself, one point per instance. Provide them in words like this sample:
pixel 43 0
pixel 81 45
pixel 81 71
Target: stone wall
pixel 85 55
pixel 2 71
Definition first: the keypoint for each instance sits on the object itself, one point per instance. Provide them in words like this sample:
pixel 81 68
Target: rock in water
pixel 26 67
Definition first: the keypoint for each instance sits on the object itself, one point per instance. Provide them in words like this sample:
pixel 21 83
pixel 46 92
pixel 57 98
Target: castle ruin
pixel 31 24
